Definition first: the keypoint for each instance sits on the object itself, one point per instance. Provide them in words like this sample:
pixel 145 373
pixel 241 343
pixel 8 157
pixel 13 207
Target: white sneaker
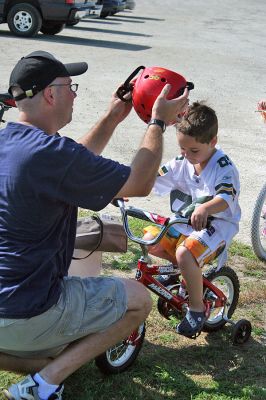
pixel 27 389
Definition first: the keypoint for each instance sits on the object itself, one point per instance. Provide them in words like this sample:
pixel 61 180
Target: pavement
pixel 220 46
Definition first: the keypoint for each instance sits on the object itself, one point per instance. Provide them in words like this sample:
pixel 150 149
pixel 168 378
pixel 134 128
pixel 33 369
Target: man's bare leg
pixel 87 348
pixel 22 365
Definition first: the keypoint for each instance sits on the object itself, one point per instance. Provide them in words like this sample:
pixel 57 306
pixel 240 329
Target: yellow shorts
pixel 195 243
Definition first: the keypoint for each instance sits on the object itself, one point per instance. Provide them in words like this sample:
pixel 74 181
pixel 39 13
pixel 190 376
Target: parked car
pixel 27 18
pixel 111 7
pixel 130 4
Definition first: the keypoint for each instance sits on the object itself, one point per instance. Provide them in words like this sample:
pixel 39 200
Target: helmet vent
pixel 146 76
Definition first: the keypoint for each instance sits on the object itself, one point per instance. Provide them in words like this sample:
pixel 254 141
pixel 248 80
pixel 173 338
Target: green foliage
pixel 241 249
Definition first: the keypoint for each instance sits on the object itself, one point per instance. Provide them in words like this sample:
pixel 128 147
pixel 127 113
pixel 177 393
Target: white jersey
pixel 219 178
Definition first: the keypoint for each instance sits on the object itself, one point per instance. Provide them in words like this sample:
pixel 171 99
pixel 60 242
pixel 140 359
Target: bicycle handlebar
pixel 7 99
pixel 6 102
pixel 157 219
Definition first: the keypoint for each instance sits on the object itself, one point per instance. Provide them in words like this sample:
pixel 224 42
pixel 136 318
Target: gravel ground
pixel 220 46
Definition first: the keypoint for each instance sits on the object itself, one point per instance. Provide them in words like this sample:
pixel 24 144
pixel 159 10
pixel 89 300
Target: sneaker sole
pixel 8 395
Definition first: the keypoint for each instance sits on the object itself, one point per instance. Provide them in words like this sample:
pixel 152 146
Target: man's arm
pixel 144 166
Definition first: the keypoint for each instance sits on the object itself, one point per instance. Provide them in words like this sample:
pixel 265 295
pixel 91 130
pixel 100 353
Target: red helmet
pixel 148 85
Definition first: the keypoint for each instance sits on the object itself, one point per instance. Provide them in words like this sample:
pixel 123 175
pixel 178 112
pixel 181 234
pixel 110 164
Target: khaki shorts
pixel 85 306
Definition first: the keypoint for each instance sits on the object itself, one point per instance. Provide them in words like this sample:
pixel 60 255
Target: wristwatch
pixel 158 122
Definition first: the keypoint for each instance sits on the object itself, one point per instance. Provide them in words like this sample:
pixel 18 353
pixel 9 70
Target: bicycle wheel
pixel 121 356
pixel 258 225
pixel 227 281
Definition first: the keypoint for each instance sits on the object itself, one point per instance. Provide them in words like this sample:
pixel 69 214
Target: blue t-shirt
pixel 43 179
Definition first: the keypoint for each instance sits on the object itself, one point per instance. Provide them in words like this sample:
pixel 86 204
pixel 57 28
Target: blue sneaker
pixel 191 326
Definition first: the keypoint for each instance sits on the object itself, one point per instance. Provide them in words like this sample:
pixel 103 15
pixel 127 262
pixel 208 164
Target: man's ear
pixel 48 94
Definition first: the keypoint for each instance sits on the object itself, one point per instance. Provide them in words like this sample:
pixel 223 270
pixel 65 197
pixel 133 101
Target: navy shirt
pixel 43 179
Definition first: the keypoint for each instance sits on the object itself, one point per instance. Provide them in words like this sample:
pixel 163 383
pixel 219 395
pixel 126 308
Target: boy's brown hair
pixel 200 122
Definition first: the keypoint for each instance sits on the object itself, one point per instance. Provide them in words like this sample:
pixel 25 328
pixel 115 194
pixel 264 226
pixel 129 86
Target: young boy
pixel 202 182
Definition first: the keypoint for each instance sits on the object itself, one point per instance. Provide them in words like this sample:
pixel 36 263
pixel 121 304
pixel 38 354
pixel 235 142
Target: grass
pixel 176 368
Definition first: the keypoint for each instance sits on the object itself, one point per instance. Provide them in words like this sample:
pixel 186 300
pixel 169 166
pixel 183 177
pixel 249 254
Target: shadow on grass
pixel 214 369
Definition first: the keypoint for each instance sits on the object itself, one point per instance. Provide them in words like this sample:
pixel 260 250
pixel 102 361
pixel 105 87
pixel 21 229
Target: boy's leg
pixel 165 249
pixel 158 250
pixel 196 250
pixel 192 275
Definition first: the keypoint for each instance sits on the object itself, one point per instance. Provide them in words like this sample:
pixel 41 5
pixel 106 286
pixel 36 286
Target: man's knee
pixel 139 299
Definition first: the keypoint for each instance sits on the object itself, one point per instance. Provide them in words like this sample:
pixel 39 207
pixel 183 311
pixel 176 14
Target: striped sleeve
pixel 226 188
pixel 227 185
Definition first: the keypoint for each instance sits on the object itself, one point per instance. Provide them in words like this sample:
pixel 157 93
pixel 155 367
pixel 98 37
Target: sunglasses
pixel 72 86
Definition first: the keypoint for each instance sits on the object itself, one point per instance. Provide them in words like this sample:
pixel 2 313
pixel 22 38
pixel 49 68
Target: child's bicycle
pixel 258 220
pixel 221 293
pixel 258 225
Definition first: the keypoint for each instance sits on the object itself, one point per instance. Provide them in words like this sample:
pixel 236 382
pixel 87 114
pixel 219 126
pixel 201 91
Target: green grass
pixel 239 249
pixel 176 368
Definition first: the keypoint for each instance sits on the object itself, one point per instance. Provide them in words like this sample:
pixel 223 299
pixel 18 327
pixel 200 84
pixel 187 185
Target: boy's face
pixel 195 152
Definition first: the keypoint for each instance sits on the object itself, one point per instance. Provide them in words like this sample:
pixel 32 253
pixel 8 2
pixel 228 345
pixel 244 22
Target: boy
pixel 202 182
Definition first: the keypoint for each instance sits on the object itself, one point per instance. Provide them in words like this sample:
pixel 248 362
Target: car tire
pixel 51 28
pixel 104 14
pixel 72 23
pixel 24 20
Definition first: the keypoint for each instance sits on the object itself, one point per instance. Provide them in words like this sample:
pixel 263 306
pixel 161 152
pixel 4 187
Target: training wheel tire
pixel 241 331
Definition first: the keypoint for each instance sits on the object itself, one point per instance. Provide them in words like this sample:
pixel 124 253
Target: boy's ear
pixel 213 142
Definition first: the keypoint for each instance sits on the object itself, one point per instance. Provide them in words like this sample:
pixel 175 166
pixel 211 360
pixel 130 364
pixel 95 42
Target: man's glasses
pixel 72 86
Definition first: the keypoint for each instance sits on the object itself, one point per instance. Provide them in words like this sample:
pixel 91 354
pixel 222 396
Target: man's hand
pixel 168 110
pixel 118 109
pixel 262 106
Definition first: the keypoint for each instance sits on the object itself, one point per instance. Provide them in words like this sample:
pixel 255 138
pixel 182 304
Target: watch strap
pixel 158 122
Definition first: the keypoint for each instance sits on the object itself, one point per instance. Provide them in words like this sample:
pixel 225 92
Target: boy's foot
pixel 27 389
pixel 192 324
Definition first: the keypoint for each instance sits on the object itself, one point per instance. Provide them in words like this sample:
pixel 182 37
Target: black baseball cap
pixel 37 70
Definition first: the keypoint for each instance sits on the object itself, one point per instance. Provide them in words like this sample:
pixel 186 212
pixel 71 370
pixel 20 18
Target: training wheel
pixel 241 331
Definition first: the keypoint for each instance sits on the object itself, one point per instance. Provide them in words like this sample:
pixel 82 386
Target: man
pixel 50 322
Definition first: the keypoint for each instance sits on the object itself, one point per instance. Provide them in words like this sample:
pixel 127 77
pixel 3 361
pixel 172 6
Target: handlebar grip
pixel 208 225
pixel 209 222
pixel 115 202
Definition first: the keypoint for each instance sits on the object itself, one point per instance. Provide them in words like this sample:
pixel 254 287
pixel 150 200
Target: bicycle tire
pixel 257 240
pixel 120 357
pixel 230 286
